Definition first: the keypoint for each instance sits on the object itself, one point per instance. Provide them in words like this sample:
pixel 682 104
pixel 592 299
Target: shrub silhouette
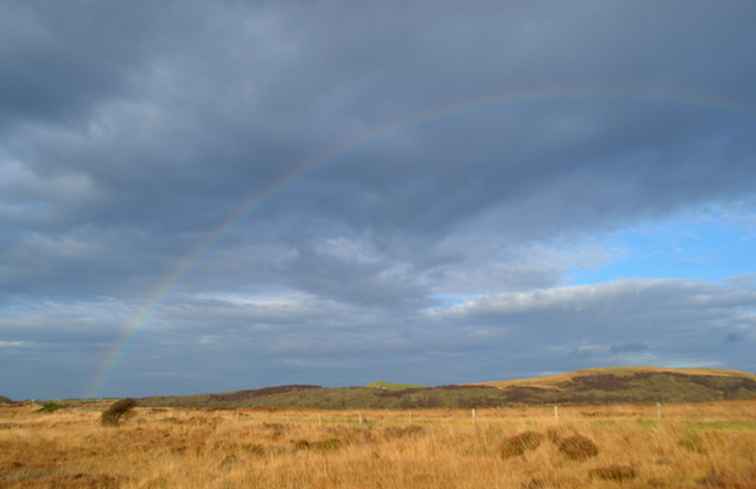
pixel 5 400
pixel 112 415
pixel 520 443
pixel 617 473
pixel 577 447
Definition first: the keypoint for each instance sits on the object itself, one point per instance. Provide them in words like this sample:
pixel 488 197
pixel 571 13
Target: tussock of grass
pixel 521 443
pixel 328 444
pixel 615 472
pixel 578 447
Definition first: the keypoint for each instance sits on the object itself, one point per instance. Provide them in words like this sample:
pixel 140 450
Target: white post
pixel 360 417
pixel 474 415
pixel 556 412
pixel 658 411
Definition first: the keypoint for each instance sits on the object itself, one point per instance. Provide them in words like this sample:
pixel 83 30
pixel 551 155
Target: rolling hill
pixel 592 386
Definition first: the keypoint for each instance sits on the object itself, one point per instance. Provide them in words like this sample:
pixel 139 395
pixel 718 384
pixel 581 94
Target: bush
pixel 112 415
pixel 50 407
pixel 519 444
pixel 5 400
pixel 577 447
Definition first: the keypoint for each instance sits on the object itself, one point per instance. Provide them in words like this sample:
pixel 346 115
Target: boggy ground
pixel 701 446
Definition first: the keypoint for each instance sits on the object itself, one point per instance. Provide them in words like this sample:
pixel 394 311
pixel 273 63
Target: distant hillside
pixel 631 384
pixel 593 386
pixel 382 384
pixel 5 400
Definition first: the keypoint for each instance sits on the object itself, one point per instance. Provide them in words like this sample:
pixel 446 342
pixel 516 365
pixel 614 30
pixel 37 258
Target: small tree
pixel 112 415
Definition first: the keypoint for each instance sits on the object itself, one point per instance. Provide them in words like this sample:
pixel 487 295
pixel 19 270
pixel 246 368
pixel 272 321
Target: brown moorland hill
pixel 593 386
pixel 630 384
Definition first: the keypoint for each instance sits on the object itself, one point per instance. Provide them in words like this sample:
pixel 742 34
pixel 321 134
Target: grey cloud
pixel 377 161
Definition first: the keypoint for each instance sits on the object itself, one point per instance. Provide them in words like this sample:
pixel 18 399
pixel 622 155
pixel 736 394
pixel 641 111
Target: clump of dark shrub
pixel 577 447
pixel 50 407
pixel 520 443
pixel 403 431
pixel 329 444
pixel 5 400
pixel 254 449
pixel 301 444
pixel 112 415
pixel 617 473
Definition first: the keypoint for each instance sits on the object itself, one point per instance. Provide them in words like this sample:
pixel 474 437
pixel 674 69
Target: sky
pixel 208 196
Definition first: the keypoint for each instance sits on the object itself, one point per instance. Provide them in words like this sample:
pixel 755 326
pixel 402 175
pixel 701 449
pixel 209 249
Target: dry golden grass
pixel 701 446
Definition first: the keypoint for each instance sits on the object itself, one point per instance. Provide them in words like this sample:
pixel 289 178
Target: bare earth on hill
pixel 705 445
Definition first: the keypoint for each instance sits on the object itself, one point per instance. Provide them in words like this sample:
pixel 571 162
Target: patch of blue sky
pixel 712 244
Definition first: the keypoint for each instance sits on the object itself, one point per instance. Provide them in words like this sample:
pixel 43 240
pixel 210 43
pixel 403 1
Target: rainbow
pixel 158 292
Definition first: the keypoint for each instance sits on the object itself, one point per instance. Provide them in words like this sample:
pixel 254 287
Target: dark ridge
pixel 5 400
pixel 400 392
pixel 606 382
pixel 244 395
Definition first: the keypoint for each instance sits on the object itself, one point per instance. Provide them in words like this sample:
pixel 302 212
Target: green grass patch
pixel 723 425
pixel 391 386
pixel 50 407
pixel 604 423
pixel 649 424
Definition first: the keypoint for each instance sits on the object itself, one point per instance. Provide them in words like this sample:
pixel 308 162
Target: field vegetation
pixel 703 445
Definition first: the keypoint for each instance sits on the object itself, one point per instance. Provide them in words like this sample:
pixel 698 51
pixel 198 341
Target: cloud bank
pixel 246 193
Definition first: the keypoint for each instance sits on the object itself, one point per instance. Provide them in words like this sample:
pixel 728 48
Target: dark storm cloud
pixel 389 155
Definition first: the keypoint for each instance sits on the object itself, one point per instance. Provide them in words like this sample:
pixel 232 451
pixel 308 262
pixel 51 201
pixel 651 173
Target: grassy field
pixel 692 446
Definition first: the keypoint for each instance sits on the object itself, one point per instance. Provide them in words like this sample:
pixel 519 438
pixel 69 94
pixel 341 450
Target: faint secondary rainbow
pixel 168 281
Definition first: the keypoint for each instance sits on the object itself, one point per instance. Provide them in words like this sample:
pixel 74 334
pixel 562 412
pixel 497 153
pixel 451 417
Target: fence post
pixel 474 415
pixel 556 412
pixel 658 411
